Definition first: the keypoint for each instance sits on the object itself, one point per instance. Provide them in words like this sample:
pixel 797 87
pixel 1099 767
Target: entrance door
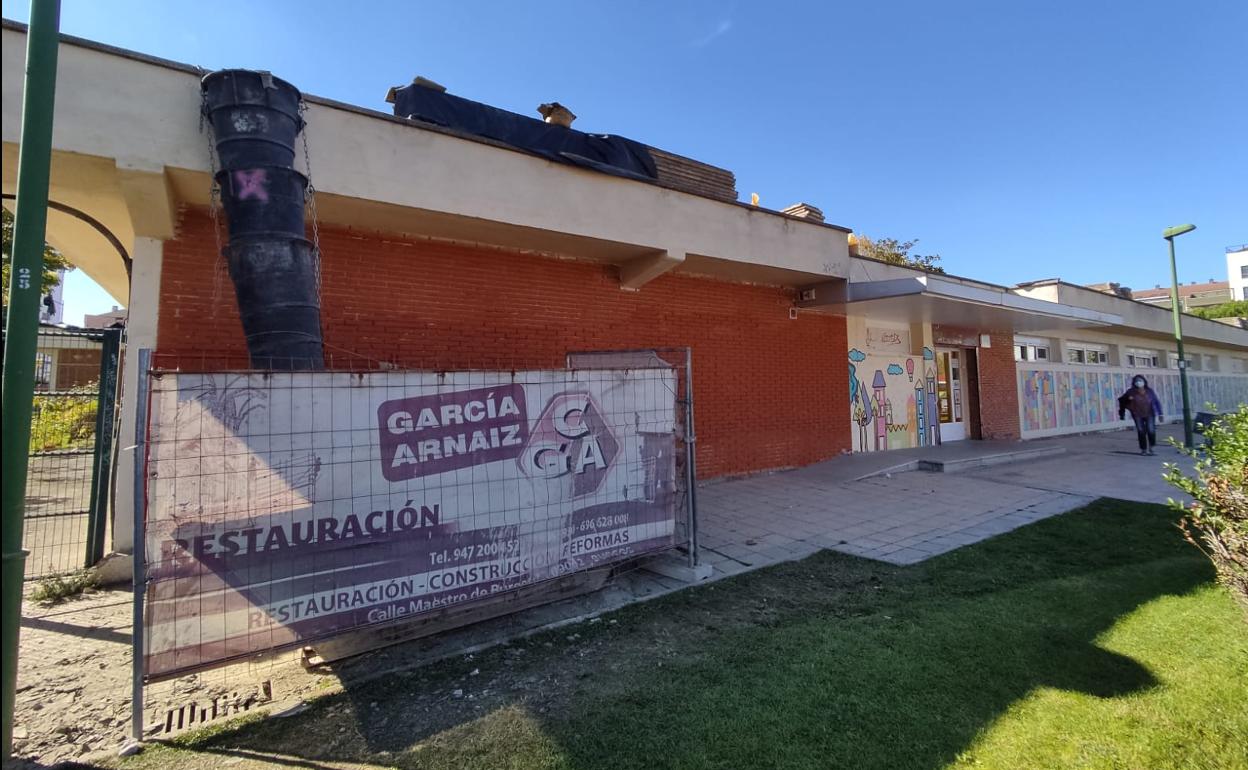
pixel 950 394
pixel 970 379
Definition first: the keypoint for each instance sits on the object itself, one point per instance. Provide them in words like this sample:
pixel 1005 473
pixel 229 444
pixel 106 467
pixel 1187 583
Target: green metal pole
pixel 1178 339
pixel 21 334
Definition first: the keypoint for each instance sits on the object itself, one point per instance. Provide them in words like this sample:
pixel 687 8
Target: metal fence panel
pixel 70 449
pixel 288 507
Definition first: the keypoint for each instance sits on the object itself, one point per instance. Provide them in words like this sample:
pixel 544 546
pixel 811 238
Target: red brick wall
pixel 769 392
pixel 998 388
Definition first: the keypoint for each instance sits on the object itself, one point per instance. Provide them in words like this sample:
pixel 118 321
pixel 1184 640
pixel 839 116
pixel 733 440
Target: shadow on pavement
pixel 74 629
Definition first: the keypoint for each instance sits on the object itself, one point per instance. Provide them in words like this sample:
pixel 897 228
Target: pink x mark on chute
pixel 251 184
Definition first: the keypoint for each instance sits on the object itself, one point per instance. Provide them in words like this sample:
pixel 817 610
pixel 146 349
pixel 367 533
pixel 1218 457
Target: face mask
pixel 1138 383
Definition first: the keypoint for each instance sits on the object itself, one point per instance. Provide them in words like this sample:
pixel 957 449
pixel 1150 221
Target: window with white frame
pixel 1031 349
pixel 43 370
pixel 1087 353
pixel 1239 365
pixel 1139 358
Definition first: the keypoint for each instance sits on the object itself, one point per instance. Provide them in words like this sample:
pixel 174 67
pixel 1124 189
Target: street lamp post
pixel 1170 233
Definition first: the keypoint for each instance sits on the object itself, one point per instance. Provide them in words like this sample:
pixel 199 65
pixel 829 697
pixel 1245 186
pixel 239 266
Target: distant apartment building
pixel 1191 295
pixel 1237 270
pixel 105 320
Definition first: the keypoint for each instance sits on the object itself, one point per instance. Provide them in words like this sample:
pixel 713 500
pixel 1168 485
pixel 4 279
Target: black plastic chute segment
pixel 255 117
pixel 275 283
pixel 264 200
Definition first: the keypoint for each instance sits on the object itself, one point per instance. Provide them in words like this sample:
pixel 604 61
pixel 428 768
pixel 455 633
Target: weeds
pixel 59 588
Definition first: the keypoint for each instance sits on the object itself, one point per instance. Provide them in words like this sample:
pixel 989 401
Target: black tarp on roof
pixel 602 152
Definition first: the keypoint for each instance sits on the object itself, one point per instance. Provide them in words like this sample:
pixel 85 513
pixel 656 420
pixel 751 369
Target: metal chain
pixel 316 225
pixel 219 266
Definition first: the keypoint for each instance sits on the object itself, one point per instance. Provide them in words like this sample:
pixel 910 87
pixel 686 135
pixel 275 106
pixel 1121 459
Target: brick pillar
pixel 998 388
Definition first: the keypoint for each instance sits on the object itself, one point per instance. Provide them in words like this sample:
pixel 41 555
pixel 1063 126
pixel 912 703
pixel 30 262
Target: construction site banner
pixel 288 507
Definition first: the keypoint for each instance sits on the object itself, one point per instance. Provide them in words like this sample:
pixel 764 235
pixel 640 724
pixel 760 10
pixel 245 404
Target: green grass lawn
pixel 1095 639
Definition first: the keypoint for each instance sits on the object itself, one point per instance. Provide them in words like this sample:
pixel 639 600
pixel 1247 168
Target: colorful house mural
pixel 893 408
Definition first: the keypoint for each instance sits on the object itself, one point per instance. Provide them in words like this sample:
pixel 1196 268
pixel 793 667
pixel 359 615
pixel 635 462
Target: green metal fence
pixel 71 450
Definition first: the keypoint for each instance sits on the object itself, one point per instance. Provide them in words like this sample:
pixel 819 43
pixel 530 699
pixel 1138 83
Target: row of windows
pixel 1134 358
pixel 1143 359
pixel 1080 353
pixel 1025 352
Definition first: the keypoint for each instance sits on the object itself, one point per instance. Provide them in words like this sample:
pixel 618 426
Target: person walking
pixel 1145 409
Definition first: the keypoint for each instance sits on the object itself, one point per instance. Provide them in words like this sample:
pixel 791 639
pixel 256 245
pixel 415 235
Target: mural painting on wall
pixel 930 432
pixel 1040 400
pixel 1064 417
pixel 1073 398
pixel 889 408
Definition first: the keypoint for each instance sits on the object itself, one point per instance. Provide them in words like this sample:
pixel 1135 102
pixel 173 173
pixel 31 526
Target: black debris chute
pixel 602 152
pixel 255 118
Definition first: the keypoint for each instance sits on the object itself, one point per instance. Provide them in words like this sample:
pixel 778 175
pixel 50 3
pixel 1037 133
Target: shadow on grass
pixel 829 662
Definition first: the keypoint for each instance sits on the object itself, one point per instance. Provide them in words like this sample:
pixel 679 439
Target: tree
pixel 53 260
pixel 1233 309
pixel 897 252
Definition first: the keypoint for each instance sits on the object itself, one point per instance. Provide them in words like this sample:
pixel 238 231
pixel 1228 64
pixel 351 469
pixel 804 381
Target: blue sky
pixel 1019 140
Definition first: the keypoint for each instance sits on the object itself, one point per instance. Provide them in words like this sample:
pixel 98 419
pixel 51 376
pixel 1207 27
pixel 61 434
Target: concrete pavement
pixel 905 517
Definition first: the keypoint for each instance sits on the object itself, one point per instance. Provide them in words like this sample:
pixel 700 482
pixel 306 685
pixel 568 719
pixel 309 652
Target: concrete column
pixel 920 337
pixel 856 331
pixel 140 333
pixel 1057 350
pixel 1117 355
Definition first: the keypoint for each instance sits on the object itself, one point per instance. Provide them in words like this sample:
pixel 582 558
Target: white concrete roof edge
pixel 1044 307
pixel 370 156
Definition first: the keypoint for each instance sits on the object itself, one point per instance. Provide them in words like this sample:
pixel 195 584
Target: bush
pixel 64 422
pixel 1216 521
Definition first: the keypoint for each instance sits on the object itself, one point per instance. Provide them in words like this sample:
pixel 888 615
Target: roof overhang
pixel 931 299
pixel 1141 319
pixel 129 157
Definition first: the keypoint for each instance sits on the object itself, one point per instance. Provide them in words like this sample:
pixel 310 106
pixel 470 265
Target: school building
pixel 446 246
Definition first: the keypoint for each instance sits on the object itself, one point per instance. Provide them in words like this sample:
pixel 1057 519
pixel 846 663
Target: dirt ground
pixel 73 688
pixel 74 677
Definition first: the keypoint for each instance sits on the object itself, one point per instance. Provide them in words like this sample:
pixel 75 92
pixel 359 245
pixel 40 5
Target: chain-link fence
pixel 286 510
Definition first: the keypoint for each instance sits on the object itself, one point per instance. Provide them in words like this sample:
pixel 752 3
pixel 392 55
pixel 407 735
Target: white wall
pixel 1236 262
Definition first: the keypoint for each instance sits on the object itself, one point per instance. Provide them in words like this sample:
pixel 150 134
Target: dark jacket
pixel 1142 403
